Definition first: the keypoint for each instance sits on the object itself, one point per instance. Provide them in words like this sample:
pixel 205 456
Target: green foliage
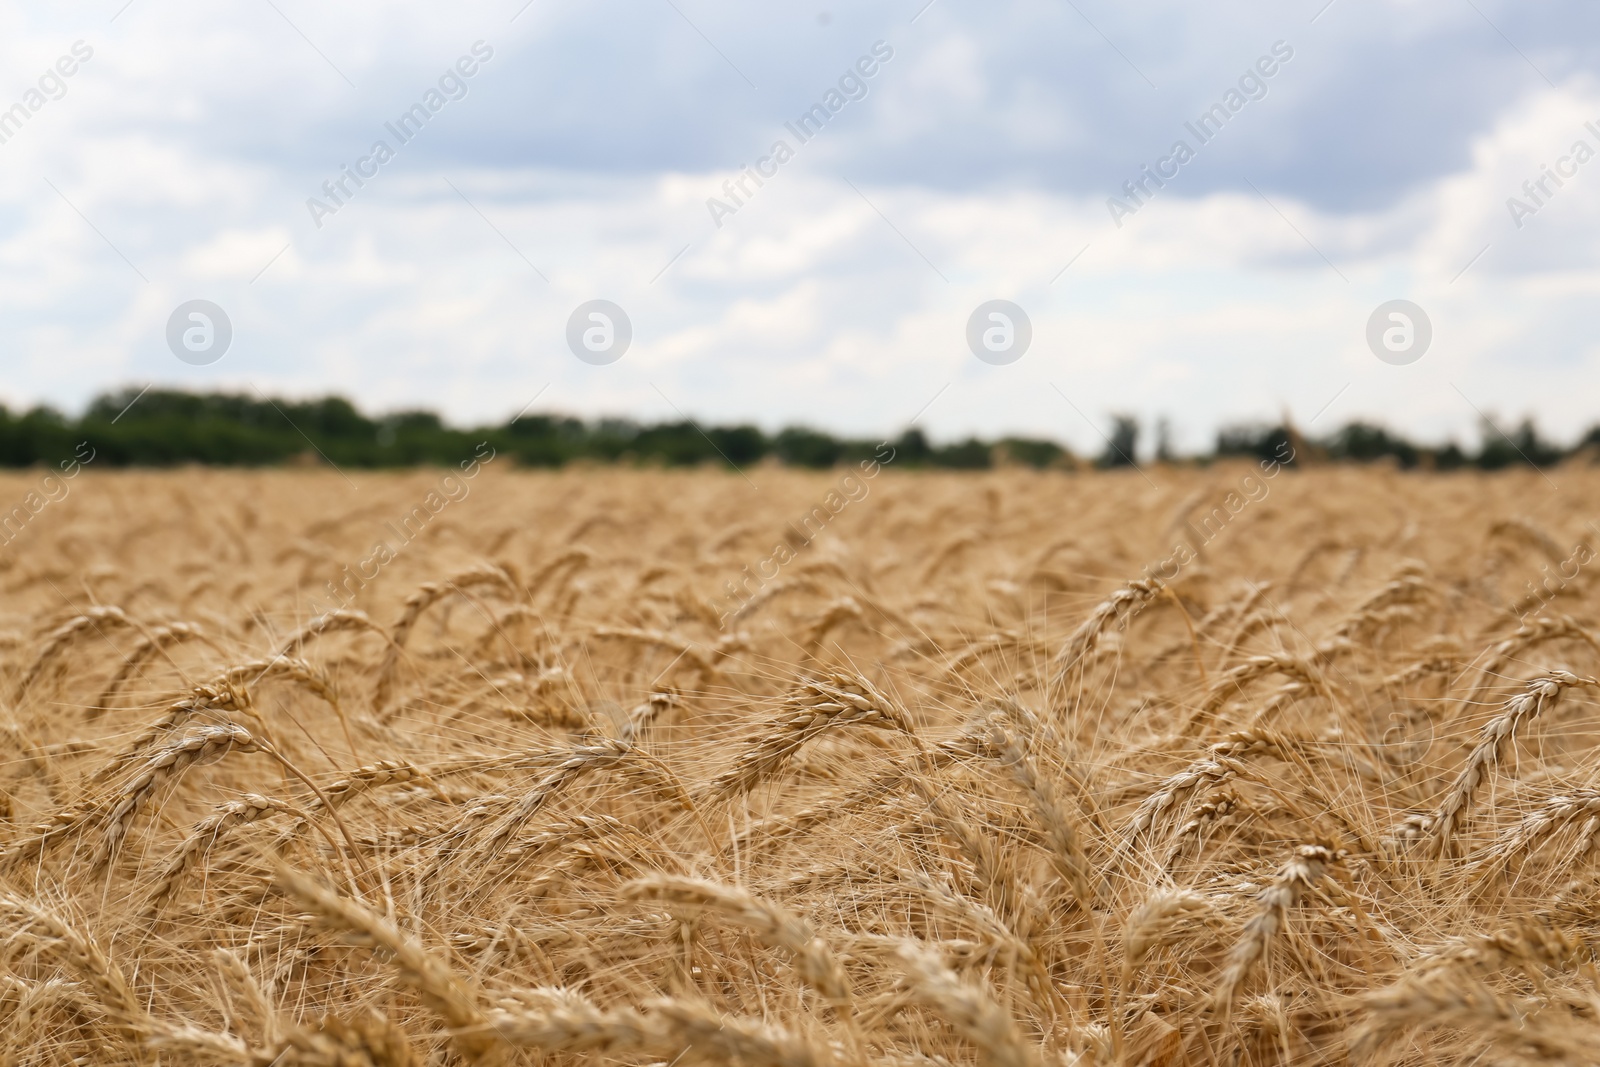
pixel 800 447
pixel 1522 445
pixel 164 428
pixel 1362 442
pixel 1032 452
pixel 1259 442
pixel 1123 444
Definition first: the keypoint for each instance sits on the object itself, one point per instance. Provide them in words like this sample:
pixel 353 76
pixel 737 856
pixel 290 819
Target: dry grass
pixel 961 785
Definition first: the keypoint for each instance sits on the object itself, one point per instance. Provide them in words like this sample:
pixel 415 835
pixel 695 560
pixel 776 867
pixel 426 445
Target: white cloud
pixel 808 305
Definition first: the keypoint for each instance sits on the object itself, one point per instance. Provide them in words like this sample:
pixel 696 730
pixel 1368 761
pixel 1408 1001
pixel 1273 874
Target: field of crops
pixel 1181 766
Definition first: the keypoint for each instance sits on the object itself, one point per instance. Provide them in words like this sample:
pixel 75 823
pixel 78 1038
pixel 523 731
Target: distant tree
pixel 1449 458
pixel 739 444
pixel 1164 450
pixel 1031 452
pixel 164 427
pixel 800 447
pixel 1260 442
pixel 911 449
pixel 1364 443
pixel 1123 443
pixel 969 455
pixel 1523 445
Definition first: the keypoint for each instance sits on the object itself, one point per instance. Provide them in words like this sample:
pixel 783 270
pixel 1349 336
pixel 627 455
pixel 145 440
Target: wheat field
pixel 1181 766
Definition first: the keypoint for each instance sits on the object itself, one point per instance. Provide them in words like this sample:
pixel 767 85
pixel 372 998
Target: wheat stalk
pixel 969 1010
pixel 155 643
pixel 1299 875
pixel 1539 696
pixel 99 619
pixel 446 993
pixel 839 701
pixel 814 961
pixel 419 602
pixel 1118 607
pixel 667 1028
pixel 92 966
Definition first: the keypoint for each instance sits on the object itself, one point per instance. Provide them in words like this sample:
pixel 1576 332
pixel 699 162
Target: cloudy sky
pixel 1375 163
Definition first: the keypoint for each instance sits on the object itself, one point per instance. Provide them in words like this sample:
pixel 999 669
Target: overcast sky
pixel 976 162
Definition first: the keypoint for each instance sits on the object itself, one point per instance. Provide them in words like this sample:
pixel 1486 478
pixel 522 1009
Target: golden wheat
pixel 958 782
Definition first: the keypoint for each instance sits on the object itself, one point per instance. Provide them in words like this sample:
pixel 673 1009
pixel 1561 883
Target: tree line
pixel 166 428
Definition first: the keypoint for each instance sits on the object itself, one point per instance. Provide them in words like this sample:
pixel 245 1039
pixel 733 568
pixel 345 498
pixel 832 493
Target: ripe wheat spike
pixel 813 959
pixel 98 619
pixel 1299 875
pixel 630 771
pixel 1497 733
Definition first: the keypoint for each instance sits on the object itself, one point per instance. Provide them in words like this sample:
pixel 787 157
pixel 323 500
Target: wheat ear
pixel 92 966
pixel 57 640
pixel 1541 824
pixel 645 714
pixel 419 602
pixel 1537 631
pixel 342 620
pixel 1236 678
pixel 1157 921
pixel 841 700
pixel 299 672
pixel 1063 841
pixel 445 992
pixel 814 961
pixel 1305 870
pixel 167 763
pixel 225 698
pixel 250 808
pixel 971 1011
pixel 1540 695
pixel 572 764
pixel 667 1029
pixel 243 987
pixel 371 1041
pixel 1456 999
pixel 155 643
pixel 1121 605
